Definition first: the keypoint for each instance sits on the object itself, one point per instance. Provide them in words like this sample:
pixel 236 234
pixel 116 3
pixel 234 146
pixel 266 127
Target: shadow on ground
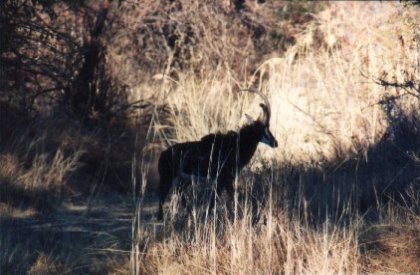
pixel 386 173
pixel 80 237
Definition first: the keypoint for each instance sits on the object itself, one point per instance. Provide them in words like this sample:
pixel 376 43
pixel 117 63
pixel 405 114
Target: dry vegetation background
pixel 92 91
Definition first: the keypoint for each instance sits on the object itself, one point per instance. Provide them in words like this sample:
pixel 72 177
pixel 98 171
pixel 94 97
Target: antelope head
pixel 262 124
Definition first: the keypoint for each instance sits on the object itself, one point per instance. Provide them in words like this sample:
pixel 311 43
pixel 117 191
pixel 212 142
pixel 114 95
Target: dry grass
pixel 324 99
pixel 282 245
pixel 392 245
pixel 323 206
pixel 46 265
pixel 33 176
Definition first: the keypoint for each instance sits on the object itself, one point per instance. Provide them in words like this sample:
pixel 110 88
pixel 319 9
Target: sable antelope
pixel 216 157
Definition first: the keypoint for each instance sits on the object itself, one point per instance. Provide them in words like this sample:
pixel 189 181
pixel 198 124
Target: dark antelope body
pixel 216 157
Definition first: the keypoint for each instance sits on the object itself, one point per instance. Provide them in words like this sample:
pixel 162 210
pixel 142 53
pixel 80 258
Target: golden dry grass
pixel 326 118
pixel 30 173
pixel 324 99
pixel 283 245
pixel 323 96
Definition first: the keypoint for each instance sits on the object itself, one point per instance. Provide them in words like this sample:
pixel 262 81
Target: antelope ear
pixel 249 119
pixel 264 116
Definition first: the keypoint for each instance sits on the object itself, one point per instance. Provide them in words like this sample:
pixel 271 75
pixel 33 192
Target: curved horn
pixel 266 106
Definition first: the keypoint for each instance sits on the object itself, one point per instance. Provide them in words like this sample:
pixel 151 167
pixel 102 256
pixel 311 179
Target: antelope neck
pixel 249 137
